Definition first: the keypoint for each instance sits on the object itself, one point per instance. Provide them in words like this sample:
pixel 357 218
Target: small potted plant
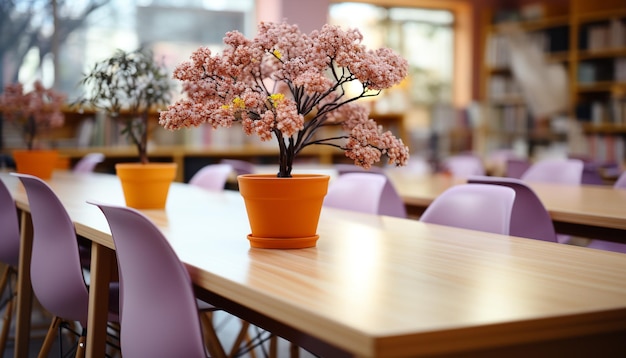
pixel 288 85
pixel 128 86
pixel 34 113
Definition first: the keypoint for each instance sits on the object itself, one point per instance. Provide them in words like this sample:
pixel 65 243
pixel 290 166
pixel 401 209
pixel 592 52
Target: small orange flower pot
pixel 283 212
pixel 40 163
pixel 146 186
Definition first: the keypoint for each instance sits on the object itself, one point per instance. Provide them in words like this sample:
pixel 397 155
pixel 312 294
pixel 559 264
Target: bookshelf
pixel 90 131
pixel 599 72
pixel 589 39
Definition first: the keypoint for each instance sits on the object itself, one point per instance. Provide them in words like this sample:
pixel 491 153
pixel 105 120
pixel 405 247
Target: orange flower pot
pixel 283 212
pixel 146 186
pixel 40 163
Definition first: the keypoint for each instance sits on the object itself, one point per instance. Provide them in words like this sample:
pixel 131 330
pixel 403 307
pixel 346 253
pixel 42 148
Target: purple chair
pixel 591 174
pixel 159 313
pixel 88 163
pixel 562 171
pixel 56 272
pixel 558 171
pixel 473 206
pixel 592 169
pixel 607 246
pixel 529 218
pixel 212 177
pixel 620 183
pixel 391 204
pixel 356 191
pixel 239 166
pixel 9 256
pixel 351 168
pixel 464 165
pixel 516 167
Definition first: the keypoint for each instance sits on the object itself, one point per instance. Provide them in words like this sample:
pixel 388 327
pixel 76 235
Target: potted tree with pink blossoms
pixel 288 85
pixel 34 112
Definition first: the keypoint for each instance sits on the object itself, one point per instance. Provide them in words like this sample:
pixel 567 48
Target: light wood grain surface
pixel 379 286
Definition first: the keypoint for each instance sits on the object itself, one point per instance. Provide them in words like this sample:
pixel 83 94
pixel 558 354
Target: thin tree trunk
pixel 55 43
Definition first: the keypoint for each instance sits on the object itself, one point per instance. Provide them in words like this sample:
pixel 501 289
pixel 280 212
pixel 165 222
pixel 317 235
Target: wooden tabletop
pixel 379 286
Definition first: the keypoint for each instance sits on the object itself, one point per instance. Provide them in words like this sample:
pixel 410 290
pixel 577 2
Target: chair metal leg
pixel 50 336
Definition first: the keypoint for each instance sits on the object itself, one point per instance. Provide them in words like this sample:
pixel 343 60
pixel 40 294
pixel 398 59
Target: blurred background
pixel 535 78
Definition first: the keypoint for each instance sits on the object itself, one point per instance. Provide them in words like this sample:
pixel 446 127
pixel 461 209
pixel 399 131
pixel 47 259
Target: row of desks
pixel 374 286
pixel 591 211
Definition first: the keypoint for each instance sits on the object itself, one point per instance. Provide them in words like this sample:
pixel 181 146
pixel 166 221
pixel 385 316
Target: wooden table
pixel 374 286
pixel 591 211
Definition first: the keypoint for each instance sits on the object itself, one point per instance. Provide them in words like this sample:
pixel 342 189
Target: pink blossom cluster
pixel 34 111
pixel 288 85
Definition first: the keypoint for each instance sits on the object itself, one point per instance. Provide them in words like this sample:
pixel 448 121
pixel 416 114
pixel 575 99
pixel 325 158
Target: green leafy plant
pixel 128 86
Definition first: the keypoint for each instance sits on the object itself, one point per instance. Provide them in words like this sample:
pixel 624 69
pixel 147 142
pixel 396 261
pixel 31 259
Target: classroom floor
pixel 227 327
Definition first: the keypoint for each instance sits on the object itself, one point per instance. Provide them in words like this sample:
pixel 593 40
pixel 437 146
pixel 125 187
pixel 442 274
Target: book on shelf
pixel 606 148
pixel 502 88
pixel 498 54
pixel 612 111
pixel 620 69
pixel 603 36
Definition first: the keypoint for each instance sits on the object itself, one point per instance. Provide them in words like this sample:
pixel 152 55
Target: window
pixel 171 28
pixel 428 39
pixel 424 37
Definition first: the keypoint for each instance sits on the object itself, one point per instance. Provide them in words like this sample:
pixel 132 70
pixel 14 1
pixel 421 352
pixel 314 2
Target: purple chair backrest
pixel 212 177
pixel 464 165
pixel 239 166
pixel 562 171
pixel 391 204
pixel 88 163
pixel 516 167
pixel 529 218
pixel 356 191
pixel 607 246
pixel 10 232
pixel 351 168
pixel 591 174
pixel 55 270
pixel 159 313
pixel 620 183
pixel 473 206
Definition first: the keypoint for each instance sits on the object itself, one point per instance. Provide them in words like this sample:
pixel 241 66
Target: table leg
pixel 100 274
pixel 24 288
